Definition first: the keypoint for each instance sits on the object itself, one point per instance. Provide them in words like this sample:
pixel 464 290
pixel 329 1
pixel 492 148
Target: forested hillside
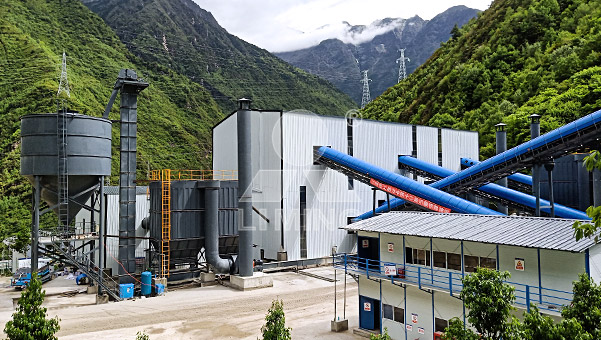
pixel 181 36
pixel 517 58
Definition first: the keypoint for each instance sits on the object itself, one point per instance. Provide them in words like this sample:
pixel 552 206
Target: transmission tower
pixel 402 68
pixel 366 97
pixel 63 85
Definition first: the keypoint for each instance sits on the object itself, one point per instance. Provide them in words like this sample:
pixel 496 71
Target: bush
pixel 29 321
pixel 275 325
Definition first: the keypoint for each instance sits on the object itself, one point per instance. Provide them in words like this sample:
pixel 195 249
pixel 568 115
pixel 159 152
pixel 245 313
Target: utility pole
pixel 63 85
pixel 366 97
pixel 402 68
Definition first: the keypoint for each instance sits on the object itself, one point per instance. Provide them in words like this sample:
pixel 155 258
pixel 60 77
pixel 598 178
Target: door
pixel 369 313
pixel 368 248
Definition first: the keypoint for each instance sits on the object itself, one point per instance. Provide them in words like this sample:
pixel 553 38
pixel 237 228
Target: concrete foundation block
pixel 339 325
pixel 282 256
pixel 258 280
pixel 102 299
pixel 92 290
pixel 207 277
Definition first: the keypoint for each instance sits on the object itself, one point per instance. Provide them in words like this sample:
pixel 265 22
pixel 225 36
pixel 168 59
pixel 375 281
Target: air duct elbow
pixel 211 220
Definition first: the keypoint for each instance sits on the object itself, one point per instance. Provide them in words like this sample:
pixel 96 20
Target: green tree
pixel 275 323
pixel 383 336
pixel 590 230
pixel 586 306
pixel 457 330
pixel 29 321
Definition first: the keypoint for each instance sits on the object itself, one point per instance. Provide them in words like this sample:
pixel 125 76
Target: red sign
pixel 391 247
pixel 408 197
pixel 365 243
pixel 367 306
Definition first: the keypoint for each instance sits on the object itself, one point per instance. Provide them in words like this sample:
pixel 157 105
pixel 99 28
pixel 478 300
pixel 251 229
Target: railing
pixel 193 175
pixel 423 277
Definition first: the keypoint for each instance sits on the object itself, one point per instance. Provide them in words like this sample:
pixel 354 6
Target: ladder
pixel 165 221
pixel 63 170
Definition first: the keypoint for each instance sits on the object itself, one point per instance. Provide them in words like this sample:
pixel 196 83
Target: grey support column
pixel 101 230
pixel 245 257
pixel 35 228
pixel 549 167
pixel 502 147
pixel 534 133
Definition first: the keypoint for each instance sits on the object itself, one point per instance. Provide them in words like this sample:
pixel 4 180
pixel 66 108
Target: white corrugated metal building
pixel 286 178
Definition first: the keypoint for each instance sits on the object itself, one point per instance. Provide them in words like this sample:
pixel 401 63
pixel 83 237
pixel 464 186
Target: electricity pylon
pixel 366 96
pixel 63 85
pixel 402 68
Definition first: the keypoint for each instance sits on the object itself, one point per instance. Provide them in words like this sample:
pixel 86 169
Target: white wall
pixel 427 145
pixel 419 302
pixel 457 144
pixel 595 262
pixel 395 296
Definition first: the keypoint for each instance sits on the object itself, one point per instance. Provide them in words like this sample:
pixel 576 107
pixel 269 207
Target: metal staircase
pixel 165 221
pixel 63 171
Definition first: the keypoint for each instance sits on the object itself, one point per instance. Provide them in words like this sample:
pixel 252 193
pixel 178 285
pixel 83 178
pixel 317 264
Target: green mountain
pixel 519 57
pixel 187 39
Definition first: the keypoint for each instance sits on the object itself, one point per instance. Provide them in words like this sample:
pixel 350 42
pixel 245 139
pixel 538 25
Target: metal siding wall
pixel 266 149
pixel 225 144
pixel 457 144
pixel 327 191
pixel 427 145
pixel 595 262
pixel 393 295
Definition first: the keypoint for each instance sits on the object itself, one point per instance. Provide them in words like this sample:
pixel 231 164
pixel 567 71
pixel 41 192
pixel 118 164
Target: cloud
pixel 279 26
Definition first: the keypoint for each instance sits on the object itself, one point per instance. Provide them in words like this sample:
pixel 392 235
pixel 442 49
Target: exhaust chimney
pixel 502 147
pixel 245 257
pixel 535 132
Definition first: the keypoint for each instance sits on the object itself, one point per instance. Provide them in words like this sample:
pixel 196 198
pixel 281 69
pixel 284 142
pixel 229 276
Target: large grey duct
pixel 211 221
pixel 534 133
pixel 130 86
pixel 245 258
pixel 501 139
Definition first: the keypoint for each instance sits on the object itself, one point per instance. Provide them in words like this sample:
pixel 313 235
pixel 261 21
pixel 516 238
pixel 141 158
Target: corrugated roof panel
pixel 531 232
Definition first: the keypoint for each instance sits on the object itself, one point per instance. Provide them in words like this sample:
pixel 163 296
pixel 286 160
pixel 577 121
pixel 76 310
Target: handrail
pixel 193 175
pixel 547 299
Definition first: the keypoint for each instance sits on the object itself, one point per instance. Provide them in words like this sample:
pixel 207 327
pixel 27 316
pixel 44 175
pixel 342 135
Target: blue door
pixel 367 313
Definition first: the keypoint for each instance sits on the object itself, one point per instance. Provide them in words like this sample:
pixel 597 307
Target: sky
pixel 287 25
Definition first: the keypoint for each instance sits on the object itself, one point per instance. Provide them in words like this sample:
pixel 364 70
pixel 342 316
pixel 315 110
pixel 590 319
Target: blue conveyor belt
pixel 517 177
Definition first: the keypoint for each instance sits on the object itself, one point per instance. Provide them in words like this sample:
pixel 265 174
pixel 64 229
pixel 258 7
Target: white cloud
pixel 278 25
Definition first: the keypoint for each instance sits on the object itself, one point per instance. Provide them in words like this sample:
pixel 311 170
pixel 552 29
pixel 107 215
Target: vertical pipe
pixel 549 167
pixel 101 235
pixel 501 139
pixel 540 280
pixel 381 327
pixel 431 263
pixel 35 230
pixel 498 266
pixel 344 307
pixel 374 203
pixel 388 201
pixel 433 316
pixel 587 262
pixel 534 133
pixel 596 187
pixel 335 312
pixel 405 309
pixel 245 188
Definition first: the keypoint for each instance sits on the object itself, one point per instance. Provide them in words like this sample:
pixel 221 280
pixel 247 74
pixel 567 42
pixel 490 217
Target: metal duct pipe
pixel 534 133
pixel 211 220
pixel 245 258
pixel 501 141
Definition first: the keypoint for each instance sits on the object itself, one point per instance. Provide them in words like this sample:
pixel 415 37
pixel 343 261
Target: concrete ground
pixel 215 312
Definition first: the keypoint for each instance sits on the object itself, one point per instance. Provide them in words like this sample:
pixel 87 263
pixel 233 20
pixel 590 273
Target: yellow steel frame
pixel 194 175
pixel 165 220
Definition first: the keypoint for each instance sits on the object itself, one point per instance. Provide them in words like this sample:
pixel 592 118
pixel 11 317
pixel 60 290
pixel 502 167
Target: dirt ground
pixel 214 312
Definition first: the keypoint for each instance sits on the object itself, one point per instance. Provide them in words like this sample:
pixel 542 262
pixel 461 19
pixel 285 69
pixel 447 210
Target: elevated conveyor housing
pixel 396 184
pixel 517 180
pixel 566 139
pixel 511 196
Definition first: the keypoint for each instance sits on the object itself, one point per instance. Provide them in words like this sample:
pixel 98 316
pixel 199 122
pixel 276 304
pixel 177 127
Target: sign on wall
pixel 413 317
pixel 390 247
pixel 409 328
pixel 367 306
pixel 365 243
pixel 390 270
pixel 519 264
pixel 420 330
pixel 408 197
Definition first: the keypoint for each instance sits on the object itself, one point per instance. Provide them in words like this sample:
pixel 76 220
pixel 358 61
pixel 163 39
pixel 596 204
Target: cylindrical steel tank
pixel 146 288
pixel 88 154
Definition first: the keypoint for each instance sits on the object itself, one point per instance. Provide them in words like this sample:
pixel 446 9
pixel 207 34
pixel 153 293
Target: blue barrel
pixel 146 283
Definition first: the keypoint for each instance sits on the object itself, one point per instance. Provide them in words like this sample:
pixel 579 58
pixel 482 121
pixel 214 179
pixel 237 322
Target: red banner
pixel 408 197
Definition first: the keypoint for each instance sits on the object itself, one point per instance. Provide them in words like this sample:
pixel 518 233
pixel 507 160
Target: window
pixel 408 255
pixel 440 259
pixel 488 262
pixel 394 313
pixel 388 312
pixel 421 257
pixel 303 221
pixel 440 324
pixel 471 263
pixel 453 261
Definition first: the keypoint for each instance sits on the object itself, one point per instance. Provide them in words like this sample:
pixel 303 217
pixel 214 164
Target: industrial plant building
pixel 299 204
